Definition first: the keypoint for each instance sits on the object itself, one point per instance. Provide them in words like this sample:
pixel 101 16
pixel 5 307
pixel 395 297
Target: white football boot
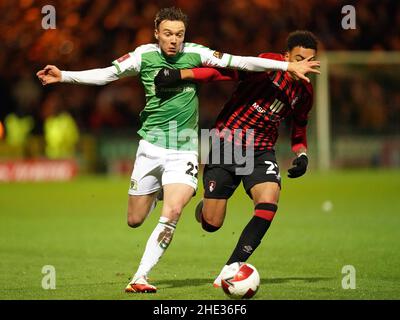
pixel 217 281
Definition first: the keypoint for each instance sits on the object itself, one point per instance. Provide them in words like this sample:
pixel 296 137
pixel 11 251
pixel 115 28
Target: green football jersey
pixel 170 117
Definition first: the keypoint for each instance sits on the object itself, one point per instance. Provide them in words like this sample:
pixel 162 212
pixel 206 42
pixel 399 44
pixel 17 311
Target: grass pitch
pixel 324 222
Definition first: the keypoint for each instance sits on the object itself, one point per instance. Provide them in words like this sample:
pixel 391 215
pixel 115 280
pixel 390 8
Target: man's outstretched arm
pixel 51 74
pixel 234 63
pixel 127 65
pixel 298 68
pixel 258 64
pixel 211 58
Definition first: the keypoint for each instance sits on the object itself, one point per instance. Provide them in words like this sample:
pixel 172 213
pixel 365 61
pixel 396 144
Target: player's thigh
pixel 147 170
pixel 266 192
pixel 176 196
pixel 145 182
pixel 181 167
pixel 139 207
pixel 264 183
pixel 219 184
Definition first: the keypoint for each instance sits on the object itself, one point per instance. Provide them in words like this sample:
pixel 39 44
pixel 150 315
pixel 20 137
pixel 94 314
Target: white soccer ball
pixel 240 280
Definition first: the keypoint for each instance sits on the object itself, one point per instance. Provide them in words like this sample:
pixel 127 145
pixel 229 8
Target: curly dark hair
pixel 302 38
pixel 172 14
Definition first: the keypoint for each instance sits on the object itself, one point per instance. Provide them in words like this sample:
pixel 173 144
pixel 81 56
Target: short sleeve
pixel 304 106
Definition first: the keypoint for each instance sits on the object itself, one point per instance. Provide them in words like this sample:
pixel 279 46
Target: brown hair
pixel 172 14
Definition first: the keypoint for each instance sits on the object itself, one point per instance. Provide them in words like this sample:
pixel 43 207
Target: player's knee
pixel 211 226
pixel 212 218
pixel 172 212
pixel 134 221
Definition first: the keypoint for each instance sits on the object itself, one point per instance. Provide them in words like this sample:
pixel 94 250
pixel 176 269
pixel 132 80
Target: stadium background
pixel 67 219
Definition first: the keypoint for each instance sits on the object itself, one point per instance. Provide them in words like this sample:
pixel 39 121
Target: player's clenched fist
pixel 166 77
pixel 299 166
pixel 50 74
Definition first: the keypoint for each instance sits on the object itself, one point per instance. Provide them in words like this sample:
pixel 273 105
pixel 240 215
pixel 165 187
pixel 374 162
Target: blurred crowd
pixel 91 34
pixel 365 100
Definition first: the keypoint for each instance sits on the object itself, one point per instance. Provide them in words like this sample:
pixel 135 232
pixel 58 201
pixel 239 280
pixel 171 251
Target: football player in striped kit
pixel 256 109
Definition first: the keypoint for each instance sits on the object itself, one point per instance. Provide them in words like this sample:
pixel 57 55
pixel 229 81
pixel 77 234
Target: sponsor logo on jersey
pixel 259 109
pixel 218 54
pixel 133 185
pixel 123 58
pixel 177 89
pixel 212 185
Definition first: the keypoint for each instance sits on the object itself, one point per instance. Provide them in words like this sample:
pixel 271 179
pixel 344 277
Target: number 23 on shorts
pixel 193 170
pixel 272 167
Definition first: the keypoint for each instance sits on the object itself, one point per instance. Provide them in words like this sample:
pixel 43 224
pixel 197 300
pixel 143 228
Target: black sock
pixel 253 233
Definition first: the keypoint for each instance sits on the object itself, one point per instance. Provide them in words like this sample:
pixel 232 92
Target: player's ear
pixel 156 34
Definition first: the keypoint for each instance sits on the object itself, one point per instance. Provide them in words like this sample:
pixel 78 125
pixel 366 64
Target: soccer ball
pixel 240 280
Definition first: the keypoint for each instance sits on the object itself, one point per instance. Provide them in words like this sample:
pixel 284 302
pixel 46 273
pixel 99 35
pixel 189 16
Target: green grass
pixel 79 227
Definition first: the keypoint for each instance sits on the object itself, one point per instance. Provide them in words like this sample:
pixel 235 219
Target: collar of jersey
pixel 175 57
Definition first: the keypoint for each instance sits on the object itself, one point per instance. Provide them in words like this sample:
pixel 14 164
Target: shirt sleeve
pixel 300 120
pixel 127 65
pixel 211 58
pixel 220 74
pixel 91 77
pixel 257 64
pixel 213 74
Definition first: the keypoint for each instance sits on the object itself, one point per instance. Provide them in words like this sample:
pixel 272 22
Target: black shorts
pixel 221 180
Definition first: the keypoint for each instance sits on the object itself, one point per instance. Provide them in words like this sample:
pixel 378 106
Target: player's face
pixel 170 36
pixel 298 54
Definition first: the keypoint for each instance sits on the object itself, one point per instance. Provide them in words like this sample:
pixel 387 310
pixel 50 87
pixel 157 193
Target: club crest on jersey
pixel 212 185
pixel 218 54
pixel 123 58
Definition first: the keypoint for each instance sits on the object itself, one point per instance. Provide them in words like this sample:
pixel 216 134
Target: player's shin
pixel 158 242
pixel 254 231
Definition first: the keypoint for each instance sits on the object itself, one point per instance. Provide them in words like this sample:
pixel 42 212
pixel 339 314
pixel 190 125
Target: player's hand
pixel 299 166
pixel 300 68
pixel 50 74
pixel 166 77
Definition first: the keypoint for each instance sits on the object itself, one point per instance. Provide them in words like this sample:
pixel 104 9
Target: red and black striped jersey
pixel 261 102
